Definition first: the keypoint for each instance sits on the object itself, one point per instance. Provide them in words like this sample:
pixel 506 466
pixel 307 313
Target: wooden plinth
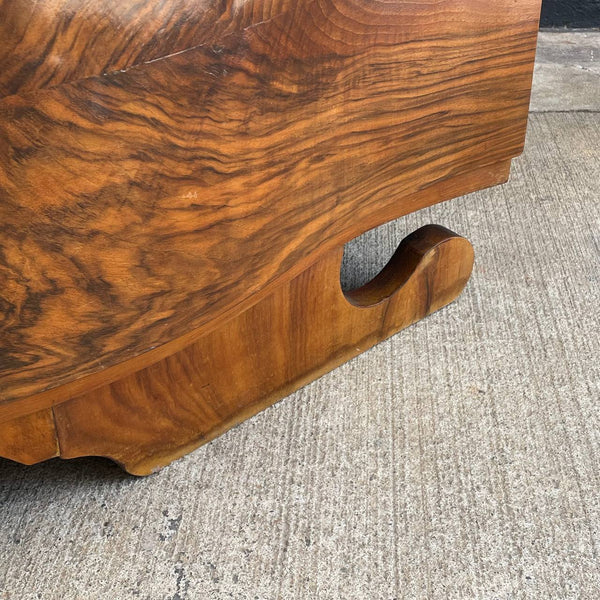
pixel 305 328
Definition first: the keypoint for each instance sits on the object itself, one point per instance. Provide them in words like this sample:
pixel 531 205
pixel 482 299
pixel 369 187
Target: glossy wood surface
pixel 299 332
pixel 236 143
pixel 177 182
pixel 44 43
pixel 30 438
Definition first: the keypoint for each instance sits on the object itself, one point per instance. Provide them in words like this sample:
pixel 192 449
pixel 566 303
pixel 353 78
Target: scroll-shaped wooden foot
pixel 305 328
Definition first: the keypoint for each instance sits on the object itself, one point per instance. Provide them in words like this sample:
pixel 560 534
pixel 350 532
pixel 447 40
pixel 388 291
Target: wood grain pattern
pixel 143 204
pixel 44 43
pixel 30 439
pixel 299 332
pixel 449 188
pixel 177 181
pixel 49 42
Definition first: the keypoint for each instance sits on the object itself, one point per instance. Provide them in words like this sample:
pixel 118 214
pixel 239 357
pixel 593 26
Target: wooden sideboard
pixel 177 183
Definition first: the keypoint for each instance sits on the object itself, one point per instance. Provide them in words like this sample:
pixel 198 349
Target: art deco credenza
pixel 177 183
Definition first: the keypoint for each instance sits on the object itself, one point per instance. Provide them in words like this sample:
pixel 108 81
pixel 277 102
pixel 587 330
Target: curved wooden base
pixel 303 329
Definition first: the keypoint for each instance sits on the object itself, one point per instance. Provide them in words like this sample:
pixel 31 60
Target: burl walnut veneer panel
pixel 169 170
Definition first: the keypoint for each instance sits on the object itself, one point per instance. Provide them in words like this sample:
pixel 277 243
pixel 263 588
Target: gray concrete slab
pixel 459 460
pixel 567 71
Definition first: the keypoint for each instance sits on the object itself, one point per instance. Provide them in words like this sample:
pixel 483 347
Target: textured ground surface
pixel 567 71
pixel 458 460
